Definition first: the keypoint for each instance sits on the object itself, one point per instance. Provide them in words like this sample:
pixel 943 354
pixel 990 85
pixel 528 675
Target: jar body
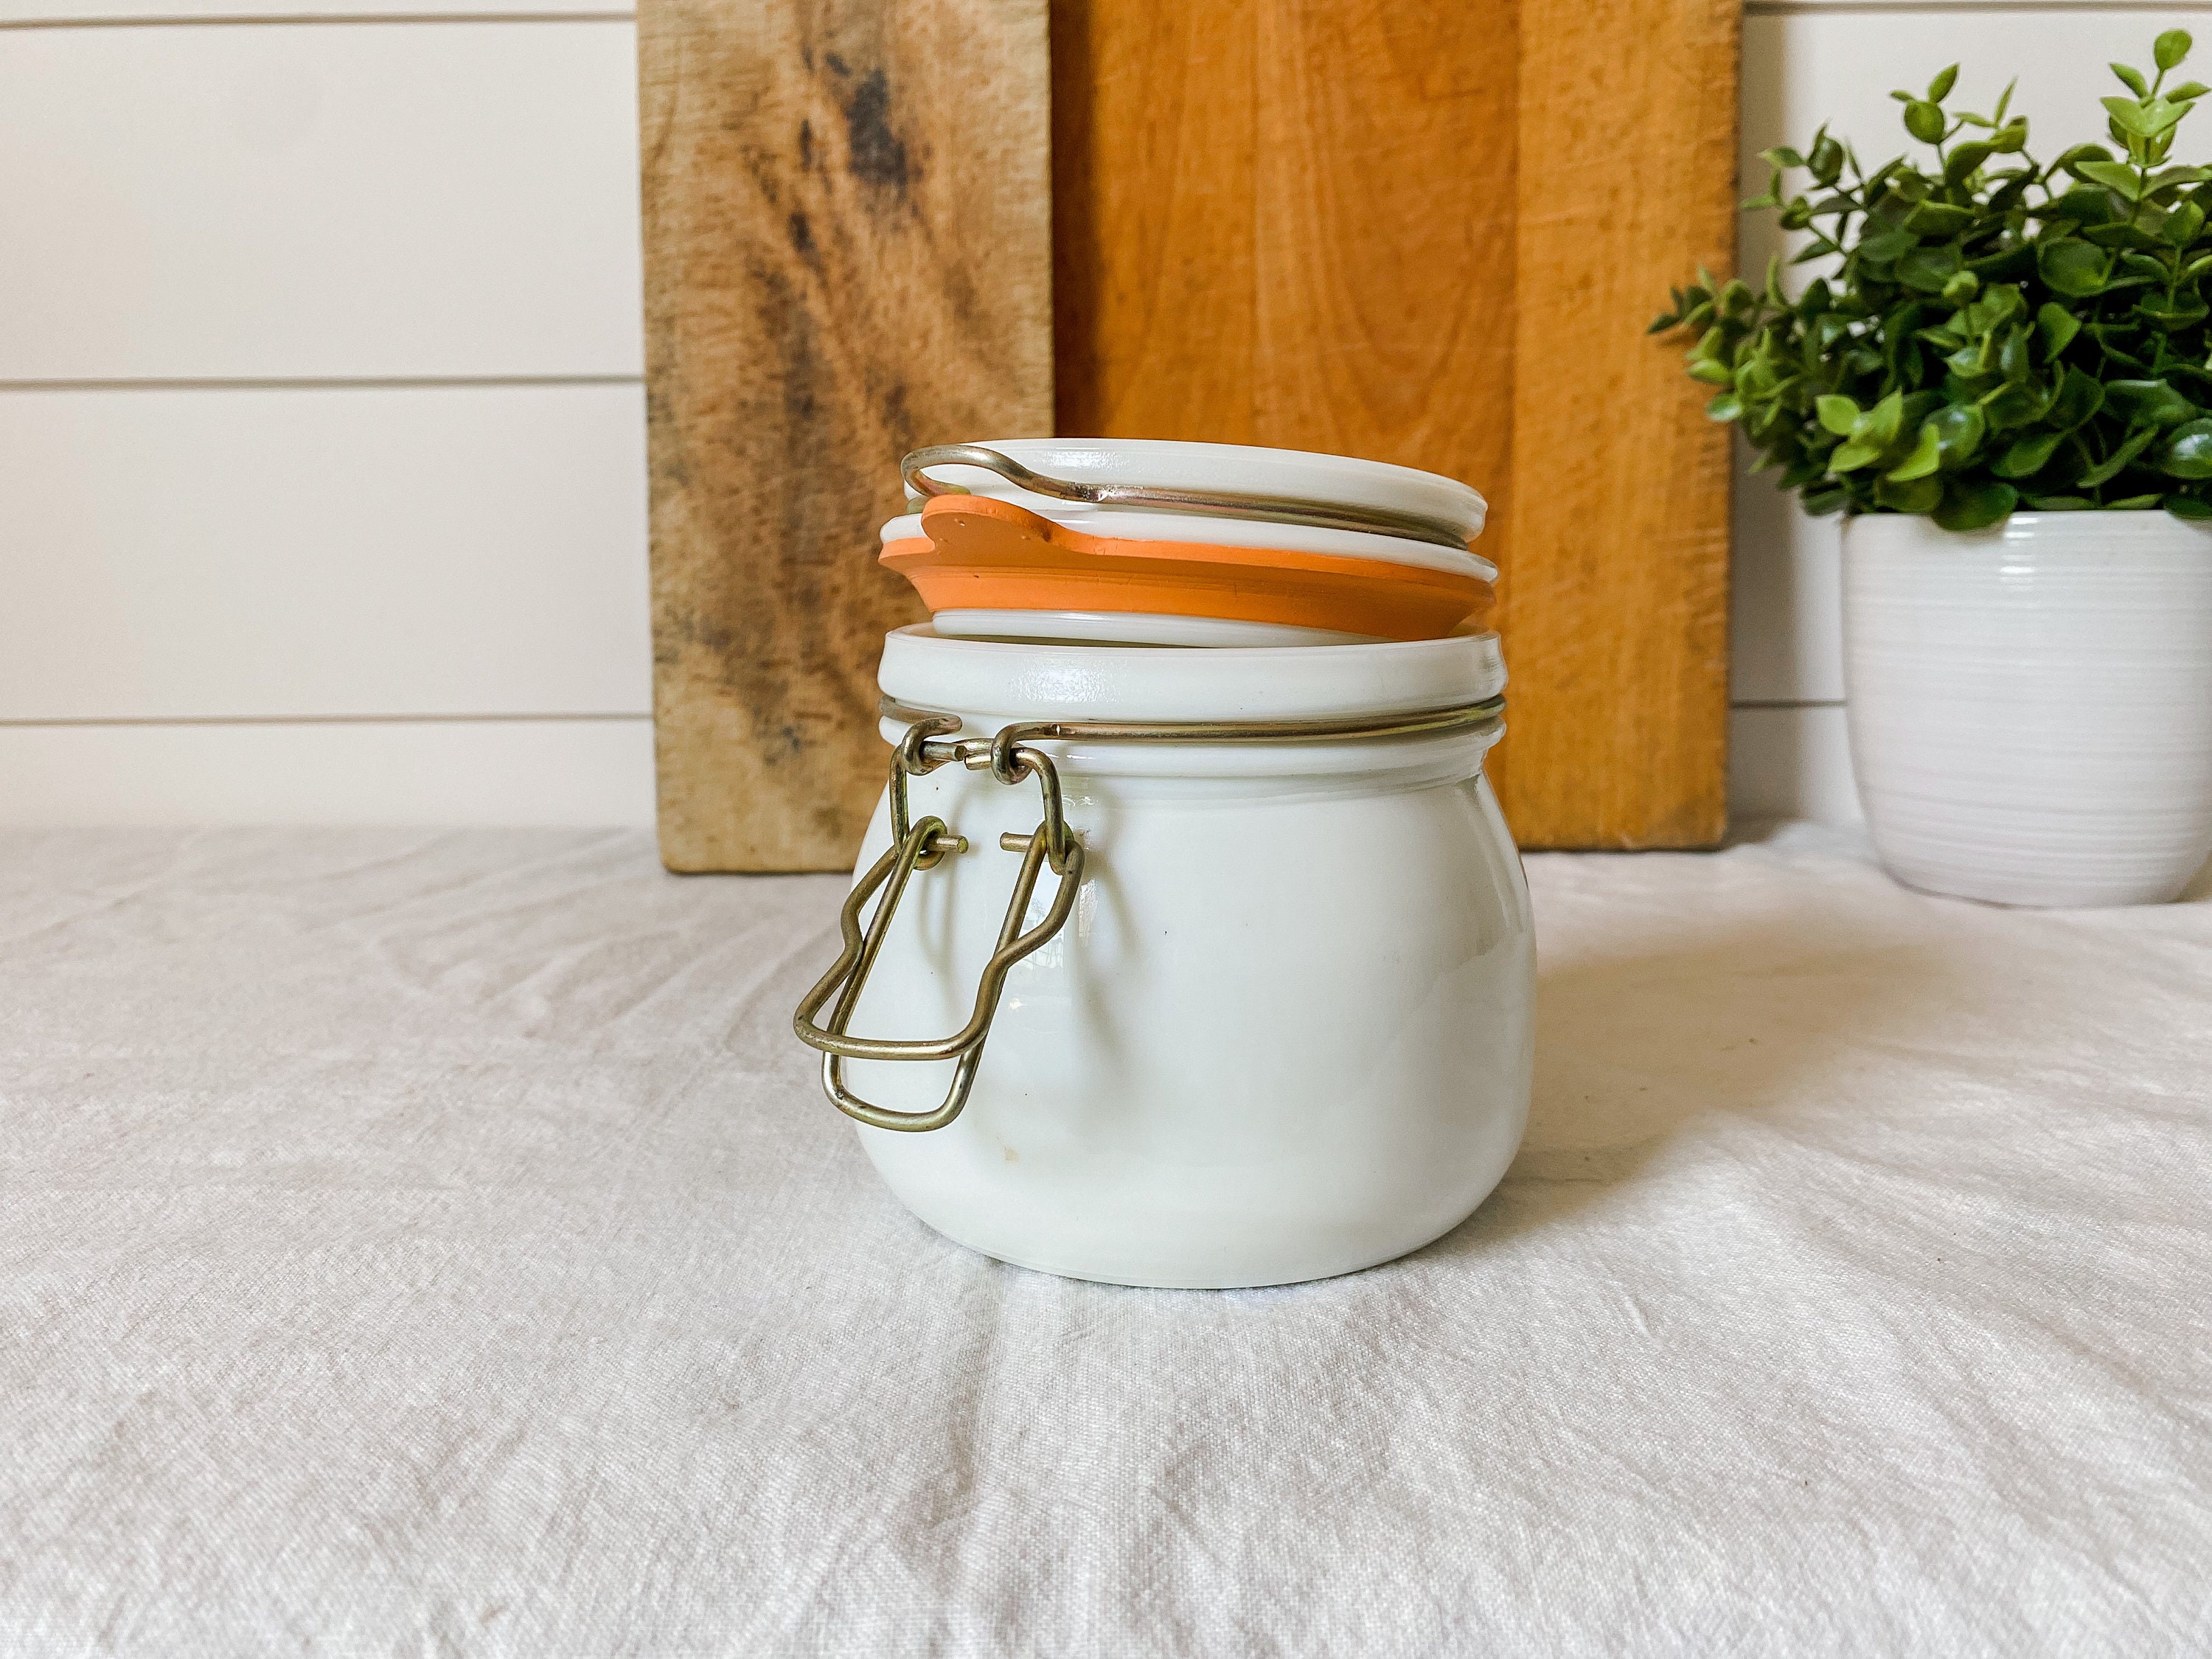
pixel 2031 705
pixel 1285 1033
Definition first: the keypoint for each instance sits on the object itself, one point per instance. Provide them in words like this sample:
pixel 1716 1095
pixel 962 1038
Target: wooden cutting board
pixel 1425 232
pixel 848 255
pixel 1613 607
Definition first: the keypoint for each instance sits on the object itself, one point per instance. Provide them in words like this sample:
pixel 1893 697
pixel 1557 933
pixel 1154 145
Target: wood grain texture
pixel 1615 605
pixel 848 218
pixel 1288 222
pixel 1431 232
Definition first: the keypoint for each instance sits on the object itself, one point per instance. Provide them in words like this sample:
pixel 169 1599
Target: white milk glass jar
pixel 1186 967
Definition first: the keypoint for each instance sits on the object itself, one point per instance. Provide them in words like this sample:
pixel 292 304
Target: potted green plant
pixel 2003 376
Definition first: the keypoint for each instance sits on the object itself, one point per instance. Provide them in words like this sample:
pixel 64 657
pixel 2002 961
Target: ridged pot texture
pixel 2031 705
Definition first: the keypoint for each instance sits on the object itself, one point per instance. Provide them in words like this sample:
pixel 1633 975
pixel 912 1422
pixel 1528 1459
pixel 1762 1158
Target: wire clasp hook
pixel 925 746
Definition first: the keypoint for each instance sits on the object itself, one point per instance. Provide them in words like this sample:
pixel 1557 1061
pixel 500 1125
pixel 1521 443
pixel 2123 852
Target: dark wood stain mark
pixel 802 241
pixel 874 153
pixel 834 276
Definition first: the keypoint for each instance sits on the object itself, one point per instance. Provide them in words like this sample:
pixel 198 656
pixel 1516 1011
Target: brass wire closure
pixel 918 846
pixel 1205 503
pixel 1011 756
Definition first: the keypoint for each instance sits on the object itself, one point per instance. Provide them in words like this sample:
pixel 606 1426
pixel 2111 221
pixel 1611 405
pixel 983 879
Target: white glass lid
pixel 1235 469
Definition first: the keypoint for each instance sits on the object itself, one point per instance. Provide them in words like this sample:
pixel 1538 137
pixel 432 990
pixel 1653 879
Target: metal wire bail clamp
pixel 921 847
pixel 1012 756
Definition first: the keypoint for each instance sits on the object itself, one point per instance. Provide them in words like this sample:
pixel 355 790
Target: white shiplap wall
pixel 321 451
pixel 321 418
pixel 1836 60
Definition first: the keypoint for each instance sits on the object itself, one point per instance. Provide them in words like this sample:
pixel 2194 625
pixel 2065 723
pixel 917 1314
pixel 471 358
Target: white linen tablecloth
pixel 427 1244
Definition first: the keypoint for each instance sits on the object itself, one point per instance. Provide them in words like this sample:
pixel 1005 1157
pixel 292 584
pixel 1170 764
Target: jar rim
pixel 1054 680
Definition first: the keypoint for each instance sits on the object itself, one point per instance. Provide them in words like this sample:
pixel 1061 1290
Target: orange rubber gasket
pixel 978 553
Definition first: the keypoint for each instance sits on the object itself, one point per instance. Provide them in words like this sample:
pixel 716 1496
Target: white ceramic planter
pixel 1288 1031
pixel 2031 705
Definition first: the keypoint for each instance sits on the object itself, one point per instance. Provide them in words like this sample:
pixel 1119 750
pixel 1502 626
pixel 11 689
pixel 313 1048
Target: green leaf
pixel 2187 91
pixel 2080 397
pixel 1726 407
pixel 1918 496
pixel 1857 454
pixel 2015 405
pixel 2059 503
pixel 2072 267
pixel 1975 504
pixel 2161 114
pixel 2070 160
pixel 1838 415
pixel 1922 462
pixel 1712 374
pixel 2147 403
pixel 1959 166
pixel 1959 429
pixel 2170 48
pixel 2132 80
pixel 1999 305
pixel 2110 468
pixel 2085 204
pixel 2057 326
pixel 1924 121
pixel 2188 508
pixel 2179 312
pixel 2016 261
pixel 2028 456
pixel 1885 245
pixel 2188 454
pixel 1928 269
pixel 1782 156
pixel 2114 176
pixel 2146 119
pixel 2127 117
pixel 1940 88
pixel 1826 160
pixel 1819 502
pixel 1880 424
pixel 1938 219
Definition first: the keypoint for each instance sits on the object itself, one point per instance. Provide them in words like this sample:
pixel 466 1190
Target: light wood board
pixel 1613 608
pixel 848 218
pixel 1431 232
pixel 1288 224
